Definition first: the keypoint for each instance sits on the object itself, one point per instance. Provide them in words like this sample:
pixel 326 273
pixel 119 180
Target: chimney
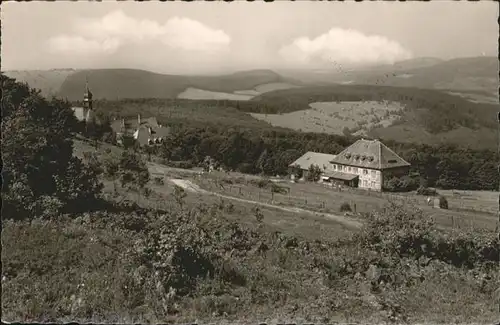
pixel 139 119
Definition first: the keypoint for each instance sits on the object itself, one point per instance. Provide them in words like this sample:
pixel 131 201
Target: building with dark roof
pixel 145 131
pixel 364 164
pixel 370 162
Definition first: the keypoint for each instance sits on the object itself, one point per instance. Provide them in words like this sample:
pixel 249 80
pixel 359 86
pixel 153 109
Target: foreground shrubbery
pixel 191 264
pixel 40 174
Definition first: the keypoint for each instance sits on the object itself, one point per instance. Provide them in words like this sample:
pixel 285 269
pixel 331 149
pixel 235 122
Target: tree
pixel 133 172
pixel 37 149
pixel 314 173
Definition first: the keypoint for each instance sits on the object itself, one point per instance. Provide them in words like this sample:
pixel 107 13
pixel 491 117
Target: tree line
pixel 271 152
pixel 250 147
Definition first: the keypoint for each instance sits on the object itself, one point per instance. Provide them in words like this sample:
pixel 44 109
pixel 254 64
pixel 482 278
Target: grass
pixel 194 93
pixel 60 270
pixel 332 117
pixel 477 211
pixel 123 265
pixel 241 95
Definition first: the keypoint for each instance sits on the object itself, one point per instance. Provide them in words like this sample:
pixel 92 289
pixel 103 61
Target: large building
pixel 85 113
pixel 146 131
pixel 365 164
pixel 322 160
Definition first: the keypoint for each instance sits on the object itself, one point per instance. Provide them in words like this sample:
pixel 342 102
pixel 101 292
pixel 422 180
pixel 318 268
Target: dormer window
pixel 348 155
pixel 363 157
pixel 371 158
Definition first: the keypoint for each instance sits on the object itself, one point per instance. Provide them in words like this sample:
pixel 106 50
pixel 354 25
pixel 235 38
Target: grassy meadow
pixel 236 261
pixel 333 117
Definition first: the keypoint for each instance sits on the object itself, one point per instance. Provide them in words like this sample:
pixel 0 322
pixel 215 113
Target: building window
pixel 349 169
pixel 355 170
pixel 374 173
pixel 373 184
pixel 340 168
pixel 365 171
pixel 334 167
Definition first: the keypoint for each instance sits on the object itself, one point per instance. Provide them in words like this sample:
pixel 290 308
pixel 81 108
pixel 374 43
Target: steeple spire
pixel 87 95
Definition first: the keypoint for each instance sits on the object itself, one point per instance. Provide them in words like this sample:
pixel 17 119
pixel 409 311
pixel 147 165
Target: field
pixel 474 209
pixel 193 93
pixel 478 97
pixel 466 208
pixel 242 95
pixel 332 117
pixel 272 264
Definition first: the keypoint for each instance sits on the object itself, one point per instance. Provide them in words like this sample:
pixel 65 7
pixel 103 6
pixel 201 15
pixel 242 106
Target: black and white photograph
pixel 250 162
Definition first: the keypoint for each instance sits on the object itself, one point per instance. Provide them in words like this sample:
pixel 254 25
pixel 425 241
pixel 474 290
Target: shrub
pixel 443 202
pixel 133 172
pixel 401 184
pixel 181 164
pixel 345 207
pixel 401 232
pixel 426 191
pixel 159 181
pixel 314 173
pixel 275 188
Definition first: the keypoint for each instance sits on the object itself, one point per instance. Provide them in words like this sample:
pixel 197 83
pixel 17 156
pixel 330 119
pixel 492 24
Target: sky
pixel 211 37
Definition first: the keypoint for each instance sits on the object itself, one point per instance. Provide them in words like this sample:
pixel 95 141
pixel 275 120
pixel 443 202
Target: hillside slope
pixel 115 84
pixel 47 81
pixel 468 75
pixel 427 116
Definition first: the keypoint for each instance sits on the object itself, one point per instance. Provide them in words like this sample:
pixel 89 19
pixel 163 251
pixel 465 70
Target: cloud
pixel 109 33
pixel 80 45
pixel 344 46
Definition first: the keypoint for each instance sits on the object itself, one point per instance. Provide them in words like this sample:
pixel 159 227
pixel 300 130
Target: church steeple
pixel 87 96
pixel 87 102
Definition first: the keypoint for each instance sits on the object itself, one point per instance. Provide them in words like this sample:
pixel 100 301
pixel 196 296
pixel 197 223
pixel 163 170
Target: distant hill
pixel 464 75
pixel 49 82
pixel 423 116
pixel 473 78
pixel 113 84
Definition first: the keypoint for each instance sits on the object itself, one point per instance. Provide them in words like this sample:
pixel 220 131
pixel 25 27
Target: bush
pixel 314 173
pixel 443 202
pixel 345 207
pixel 159 181
pixel 132 172
pixel 400 232
pixel 181 164
pixel 401 184
pixel 426 191
pixel 275 188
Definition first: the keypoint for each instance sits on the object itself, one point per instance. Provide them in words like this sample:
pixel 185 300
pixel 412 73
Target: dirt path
pixel 189 186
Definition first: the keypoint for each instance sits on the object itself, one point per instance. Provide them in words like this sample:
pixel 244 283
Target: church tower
pixel 87 102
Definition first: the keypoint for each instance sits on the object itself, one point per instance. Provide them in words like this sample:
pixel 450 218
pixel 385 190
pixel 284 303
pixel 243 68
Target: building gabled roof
pixel 341 175
pixel 132 125
pixel 369 154
pixel 322 160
